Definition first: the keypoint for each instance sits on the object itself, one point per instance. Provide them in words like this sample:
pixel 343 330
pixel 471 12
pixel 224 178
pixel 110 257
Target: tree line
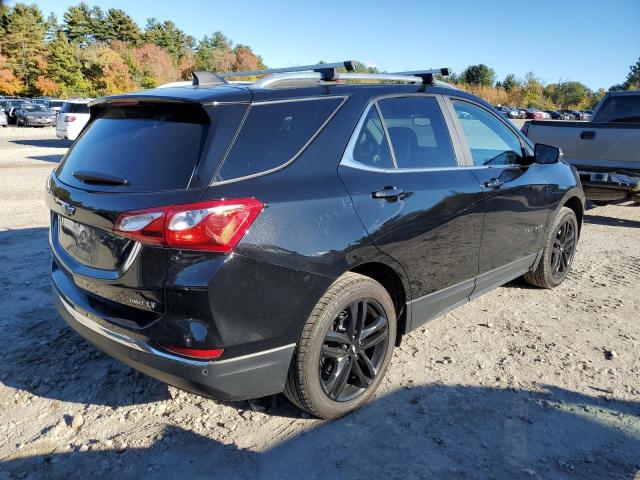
pixel 91 52
pixel 531 92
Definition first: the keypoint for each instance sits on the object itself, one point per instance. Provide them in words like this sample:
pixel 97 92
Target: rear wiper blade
pixel 95 177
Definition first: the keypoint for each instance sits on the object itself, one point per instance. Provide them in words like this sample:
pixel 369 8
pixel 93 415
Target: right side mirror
pixel 547 153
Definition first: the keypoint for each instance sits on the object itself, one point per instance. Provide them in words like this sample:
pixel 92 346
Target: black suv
pixel 243 239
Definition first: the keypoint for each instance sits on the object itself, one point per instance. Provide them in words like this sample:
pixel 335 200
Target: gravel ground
pixel 521 383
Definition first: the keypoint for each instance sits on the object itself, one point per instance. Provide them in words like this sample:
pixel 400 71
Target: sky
pixel 590 41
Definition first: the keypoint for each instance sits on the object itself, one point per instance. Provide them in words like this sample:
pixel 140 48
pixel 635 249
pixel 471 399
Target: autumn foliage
pixel 93 53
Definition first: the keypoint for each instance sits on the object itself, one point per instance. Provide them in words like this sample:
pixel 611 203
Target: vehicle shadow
pixel 47 158
pixel 431 431
pixel 611 221
pixel 44 142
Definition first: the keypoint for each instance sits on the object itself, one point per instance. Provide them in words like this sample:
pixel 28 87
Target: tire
pixel 314 378
pixel 557 255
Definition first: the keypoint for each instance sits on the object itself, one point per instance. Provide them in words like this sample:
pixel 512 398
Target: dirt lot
pixel 522 383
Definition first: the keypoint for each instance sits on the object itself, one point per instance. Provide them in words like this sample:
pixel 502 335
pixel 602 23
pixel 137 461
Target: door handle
pixel 587 135
pixel 494 183
pixel 389 193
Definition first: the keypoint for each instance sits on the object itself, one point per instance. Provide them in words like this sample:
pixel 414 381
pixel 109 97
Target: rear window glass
pixel 152 147
pixel 74 108
pixel 623 109
pixel 273 134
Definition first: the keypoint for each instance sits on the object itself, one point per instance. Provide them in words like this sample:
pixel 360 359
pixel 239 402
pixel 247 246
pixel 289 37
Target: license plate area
pixel 92 246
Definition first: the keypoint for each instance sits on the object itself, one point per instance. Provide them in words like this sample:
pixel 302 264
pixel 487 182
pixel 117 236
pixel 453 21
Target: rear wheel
pixel 558 253
pixel 345 348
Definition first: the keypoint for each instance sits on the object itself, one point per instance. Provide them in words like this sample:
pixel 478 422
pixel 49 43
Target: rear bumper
pixel 609 186
pixel 250 376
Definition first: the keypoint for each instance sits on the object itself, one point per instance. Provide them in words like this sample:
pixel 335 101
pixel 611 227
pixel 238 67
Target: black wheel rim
pixel 354 349
pixel 563 248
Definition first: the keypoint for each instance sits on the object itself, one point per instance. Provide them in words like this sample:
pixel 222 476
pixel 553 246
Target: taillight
pixel 70 118
pixel 204 354
pixel 215 226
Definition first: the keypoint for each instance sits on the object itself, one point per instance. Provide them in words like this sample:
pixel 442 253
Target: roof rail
pixel 427 75
pixel 327 70
pixel 318 72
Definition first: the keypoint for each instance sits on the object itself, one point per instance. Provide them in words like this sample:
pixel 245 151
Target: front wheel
pixel 345 348
pixel 559 250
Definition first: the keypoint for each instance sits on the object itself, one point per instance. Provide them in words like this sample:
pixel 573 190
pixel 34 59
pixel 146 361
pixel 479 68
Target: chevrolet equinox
pixel 239 239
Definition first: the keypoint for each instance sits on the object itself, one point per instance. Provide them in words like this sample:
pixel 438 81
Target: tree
pixel 23 42
pixel 106 71
pixel 63 68
pixel 215 54
pixel 154 64
pixel 245 59
pixel 568 94
pixel 120 26
pixel 9 84
pixel 478 75
pixel 168 36
pixel 510 82
pixel 78 24
pixel 52 27
pixel 633 78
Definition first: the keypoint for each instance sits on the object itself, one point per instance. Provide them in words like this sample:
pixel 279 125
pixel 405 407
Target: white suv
pixel 72 118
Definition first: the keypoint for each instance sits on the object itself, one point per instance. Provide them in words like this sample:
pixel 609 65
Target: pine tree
pixel 78 24
pixel 23 42
pixel 63 67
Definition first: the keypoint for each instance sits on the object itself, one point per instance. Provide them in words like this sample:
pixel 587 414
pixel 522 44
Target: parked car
pixel 587 114
pixel 33 115
pixel 4 119
pixel 44 101
pixel 11 105
pixel 56 105
pixel 72 118
pixel 240 241
pixel 509 112
pixel 555 115
pixel 605 150
pixel 534 113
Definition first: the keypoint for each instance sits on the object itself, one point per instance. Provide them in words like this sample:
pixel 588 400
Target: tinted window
pixel 273 134
pixel 491 141
pixel 623 108
pixel 81 108
pixel 371 147
pixel 419 135
pixel 153 147
pixel 67 108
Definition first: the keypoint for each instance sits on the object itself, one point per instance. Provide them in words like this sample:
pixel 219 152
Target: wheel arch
pixel 575 204
pixel 396 285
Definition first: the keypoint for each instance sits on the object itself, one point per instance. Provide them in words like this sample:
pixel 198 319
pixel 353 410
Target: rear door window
pixel 154 147
pixel 371 147
pixel 274 133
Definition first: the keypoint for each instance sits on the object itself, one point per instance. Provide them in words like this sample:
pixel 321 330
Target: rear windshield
pixel 623 109
pixel 74 108
pixel 153 147
pixel 274 133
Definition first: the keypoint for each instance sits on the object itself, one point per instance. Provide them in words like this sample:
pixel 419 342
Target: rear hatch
pixel 134 154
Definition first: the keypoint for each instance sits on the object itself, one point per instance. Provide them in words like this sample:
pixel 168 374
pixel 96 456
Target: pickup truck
pixel 606 150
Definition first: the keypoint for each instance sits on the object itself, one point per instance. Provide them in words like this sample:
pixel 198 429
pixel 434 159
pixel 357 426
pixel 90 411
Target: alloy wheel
pixel 354 349
pixel 563 249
